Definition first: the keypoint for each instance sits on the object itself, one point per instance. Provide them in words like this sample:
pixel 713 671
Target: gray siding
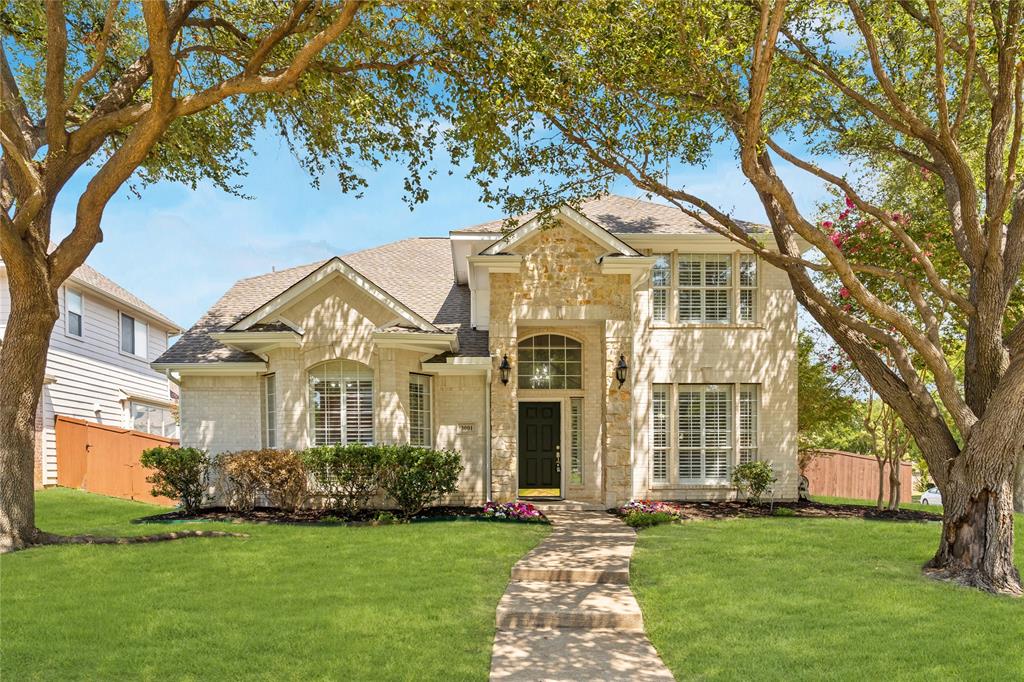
pixel 91 372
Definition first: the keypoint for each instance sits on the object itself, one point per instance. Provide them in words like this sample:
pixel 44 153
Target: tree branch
pixel 101 56
pixel 56 64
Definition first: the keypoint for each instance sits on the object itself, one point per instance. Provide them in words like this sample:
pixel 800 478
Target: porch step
pixel 569 605
pixel 564 505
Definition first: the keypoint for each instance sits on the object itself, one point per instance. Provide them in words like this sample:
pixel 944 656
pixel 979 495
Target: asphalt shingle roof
pixel 622 215
pixel 418 272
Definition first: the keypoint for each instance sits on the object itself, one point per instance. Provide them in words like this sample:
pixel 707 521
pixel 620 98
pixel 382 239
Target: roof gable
pixel 622 216
pixel 335 267
pixel 571 217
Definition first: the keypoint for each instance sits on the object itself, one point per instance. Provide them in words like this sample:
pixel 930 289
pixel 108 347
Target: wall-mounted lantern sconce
pixel 621 369
pixel 506 369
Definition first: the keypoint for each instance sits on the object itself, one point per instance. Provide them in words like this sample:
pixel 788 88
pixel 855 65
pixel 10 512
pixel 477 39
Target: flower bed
pixel 514 511
pixel 645 513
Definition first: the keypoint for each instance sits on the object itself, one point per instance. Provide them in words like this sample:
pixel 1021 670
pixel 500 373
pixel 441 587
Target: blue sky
pixel 180 249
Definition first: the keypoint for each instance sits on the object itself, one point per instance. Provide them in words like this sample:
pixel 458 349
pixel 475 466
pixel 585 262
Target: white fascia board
pixel 417 341
pixel 249 338
pixel 211 368
pixel 465 365
pixel 332 268
pixel 498 263
pixel 142 398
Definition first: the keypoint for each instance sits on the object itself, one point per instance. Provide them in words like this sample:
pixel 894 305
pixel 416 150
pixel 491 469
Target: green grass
pixel 289 602
pixel 818 599
pixel 917 506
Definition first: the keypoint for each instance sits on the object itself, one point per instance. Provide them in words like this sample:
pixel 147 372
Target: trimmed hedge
pixel 278 474
pixel 347 475
pixel 416 477
pixel 181 474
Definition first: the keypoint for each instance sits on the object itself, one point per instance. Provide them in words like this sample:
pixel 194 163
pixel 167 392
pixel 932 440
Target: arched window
pixel 550 361
pixel 341 402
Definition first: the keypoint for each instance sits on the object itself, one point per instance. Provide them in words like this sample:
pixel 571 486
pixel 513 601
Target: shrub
pixel 348 475
pixel 642 519
pixel 181 474
pixel 753 478
pixel 278 474
pixel 514 511
pixel 416 477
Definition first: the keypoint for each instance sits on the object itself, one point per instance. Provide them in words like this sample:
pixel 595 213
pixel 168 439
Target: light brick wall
pixel 763 354
pixel 220 413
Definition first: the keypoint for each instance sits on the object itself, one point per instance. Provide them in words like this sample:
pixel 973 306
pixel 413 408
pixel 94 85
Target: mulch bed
pixel 703 511
pixel 323 517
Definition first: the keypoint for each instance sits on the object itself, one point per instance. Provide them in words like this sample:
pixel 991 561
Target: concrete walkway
pixel 568 613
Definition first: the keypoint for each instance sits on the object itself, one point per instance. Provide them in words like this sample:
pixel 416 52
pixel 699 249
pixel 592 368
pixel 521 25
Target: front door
pixel 540 449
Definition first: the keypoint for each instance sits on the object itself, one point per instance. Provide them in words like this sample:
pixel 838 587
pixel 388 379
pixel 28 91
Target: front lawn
pixel 818 599
pixel 289 602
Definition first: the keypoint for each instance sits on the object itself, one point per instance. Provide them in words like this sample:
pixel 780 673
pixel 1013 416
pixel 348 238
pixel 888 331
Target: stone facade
pixel 560 289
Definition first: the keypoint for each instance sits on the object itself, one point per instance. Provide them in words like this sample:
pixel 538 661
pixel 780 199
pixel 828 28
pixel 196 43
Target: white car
pixel 932 496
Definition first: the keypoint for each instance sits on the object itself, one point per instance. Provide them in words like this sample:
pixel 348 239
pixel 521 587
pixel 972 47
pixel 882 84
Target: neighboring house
pixel 97 367
pixel 407 342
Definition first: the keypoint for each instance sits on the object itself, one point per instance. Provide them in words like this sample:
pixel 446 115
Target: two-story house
pixel 97 366
pixel 620 351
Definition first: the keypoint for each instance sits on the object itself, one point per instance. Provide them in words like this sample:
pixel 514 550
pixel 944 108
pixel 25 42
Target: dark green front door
pixel 540 441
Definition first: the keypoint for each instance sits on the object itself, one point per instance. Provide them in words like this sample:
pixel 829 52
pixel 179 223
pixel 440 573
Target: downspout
pixel 487 434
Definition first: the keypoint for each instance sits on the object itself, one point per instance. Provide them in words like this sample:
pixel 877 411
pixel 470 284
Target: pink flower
pixel 835 369
pixel 837 239
pixel 860 223
pixel 849 202
pixel 844 215
pixel 826 224
pixel 844 292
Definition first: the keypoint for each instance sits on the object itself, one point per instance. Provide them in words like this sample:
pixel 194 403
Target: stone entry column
pixel 504 406
pixel 618 340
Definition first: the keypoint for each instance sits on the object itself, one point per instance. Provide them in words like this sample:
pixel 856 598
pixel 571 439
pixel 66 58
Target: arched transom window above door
pixel 340 402
pixel 550 361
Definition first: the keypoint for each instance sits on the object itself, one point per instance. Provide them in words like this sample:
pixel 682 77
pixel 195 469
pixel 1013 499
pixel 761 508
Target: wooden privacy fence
pixel 846 474
pixel 105 459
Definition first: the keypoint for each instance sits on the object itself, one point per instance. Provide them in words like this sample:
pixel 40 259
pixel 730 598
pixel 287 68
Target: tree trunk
pixel 976 547
pixel 34 311
pixel 894 486
pixel 880 502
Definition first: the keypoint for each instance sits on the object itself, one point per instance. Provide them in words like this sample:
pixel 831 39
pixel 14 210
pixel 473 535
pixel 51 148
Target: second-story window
pixel 717 288
pixel 134 335
pixel 73 303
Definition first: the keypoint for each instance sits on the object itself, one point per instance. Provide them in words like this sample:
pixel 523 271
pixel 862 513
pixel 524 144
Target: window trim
pixel 152 405
pixel 68 312
pixel 311 436
pixel 268 434
pixel 577 435
pixel 144 357
pixel 672 449
pixel 428 402
pixel 520 363
pixel 673 289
